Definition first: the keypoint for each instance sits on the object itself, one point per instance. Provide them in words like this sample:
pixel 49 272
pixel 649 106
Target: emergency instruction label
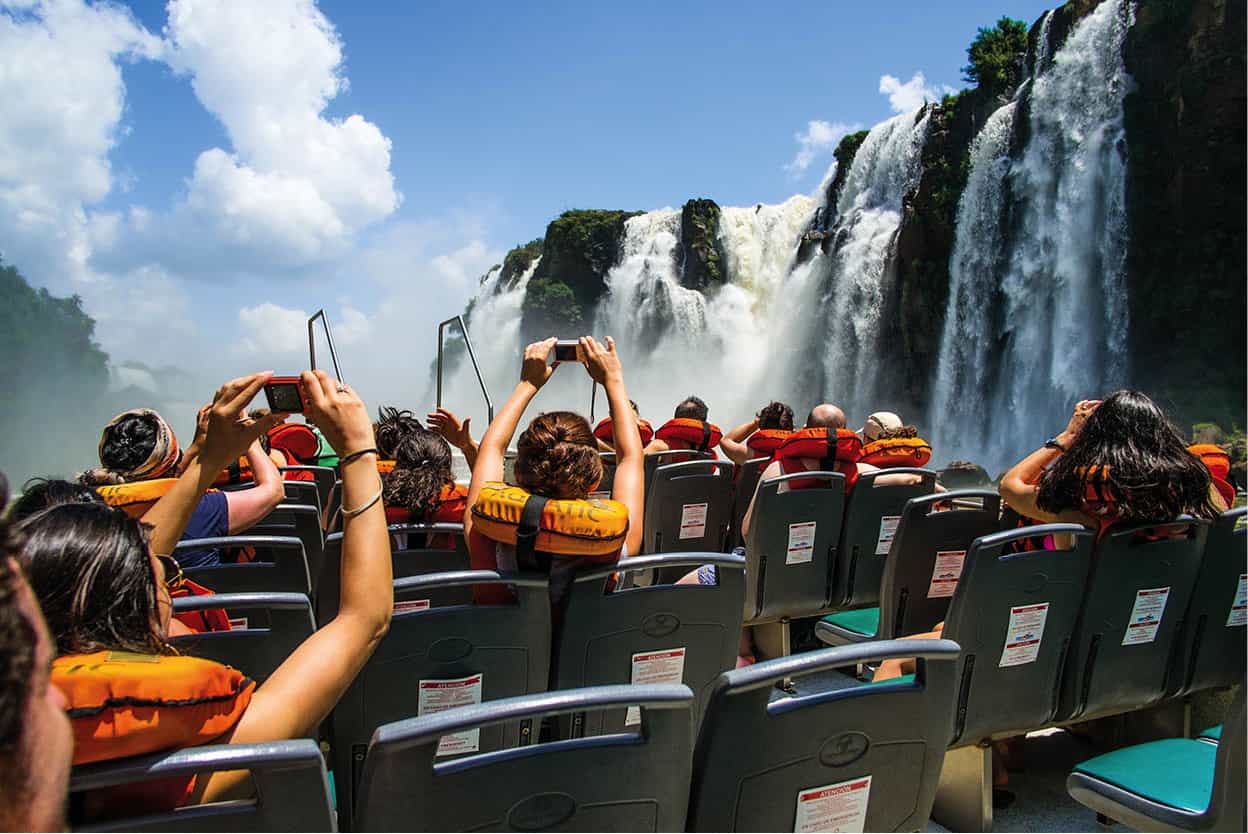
pixel 1146 614
pixel 838 807
pixel 438 695
pixel 801 543
pixel 693 521
pixel 660 666
pixel 238 623
pixel 1239 607
pixel 1024 634
pixel 946 573
pixel 888 529
pixel 406 605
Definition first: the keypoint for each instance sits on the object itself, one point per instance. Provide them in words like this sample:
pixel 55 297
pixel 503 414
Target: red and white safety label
pixel 438 695
pixel 406 605
pixel 839 807
pixel 1024 634
pixel 946 573
pixel 801 543
pixel 693 521
pixel 1239 606
pixel 1146 614
pixel 888 529
pixel 662 666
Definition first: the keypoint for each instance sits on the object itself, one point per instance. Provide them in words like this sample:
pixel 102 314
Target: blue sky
pixel 203 185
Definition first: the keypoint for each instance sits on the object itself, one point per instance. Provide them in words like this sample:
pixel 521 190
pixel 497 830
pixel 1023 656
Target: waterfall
pixel 868 215
pixel 1014 360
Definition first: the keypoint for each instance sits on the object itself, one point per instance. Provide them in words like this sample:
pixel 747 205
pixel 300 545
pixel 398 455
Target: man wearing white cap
pixel 878 423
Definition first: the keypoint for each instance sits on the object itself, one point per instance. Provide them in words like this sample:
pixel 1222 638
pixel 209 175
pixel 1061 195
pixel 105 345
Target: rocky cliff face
pixel 703 256
pixel 1185 197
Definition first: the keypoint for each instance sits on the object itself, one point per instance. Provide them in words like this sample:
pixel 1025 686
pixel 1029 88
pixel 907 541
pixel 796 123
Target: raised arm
pixel 1020 485
pixel 489 465
pixel 249 506
pixel 229 431
pixel 773 470
pixel 302 691
pixel 603 365
pixel 445 423
pixel 733 443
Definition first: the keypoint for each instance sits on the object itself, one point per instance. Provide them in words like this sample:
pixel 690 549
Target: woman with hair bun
pixel 421 489
pixel 557 458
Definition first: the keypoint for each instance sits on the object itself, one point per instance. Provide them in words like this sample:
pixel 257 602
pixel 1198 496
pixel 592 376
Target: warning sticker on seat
pixel 1023 634
pixel 1239 608
pixel 801 543
pixel 693 521
pixel 888 529
pixel 1150 604
pixel 661 666
pixel 946 573
pixel 438 695
pixel 839 807
pixel 404 606
pixel 238 623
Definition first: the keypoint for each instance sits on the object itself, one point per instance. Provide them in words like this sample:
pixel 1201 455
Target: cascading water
pixel 868 216
pixel 1057 331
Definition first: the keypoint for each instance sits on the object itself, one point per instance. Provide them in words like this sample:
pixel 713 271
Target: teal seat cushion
pixel 1213 732
pixel 863 621
pixel 1173 771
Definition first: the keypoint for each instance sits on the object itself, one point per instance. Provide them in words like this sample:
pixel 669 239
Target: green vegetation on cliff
pixel 518 260
pixel 995 57
pixel 699 242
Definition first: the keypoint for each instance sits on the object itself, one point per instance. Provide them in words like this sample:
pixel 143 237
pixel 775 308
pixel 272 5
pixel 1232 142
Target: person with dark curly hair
pixel 36 744
pixel 40 493
pixel 392 426
pixel 1125 450
pixel 421 488
pixel 557 455
pixel 772 419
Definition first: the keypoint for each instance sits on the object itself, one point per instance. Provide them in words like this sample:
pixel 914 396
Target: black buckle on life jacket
pixel 235 471
pixel 706 437
pixel 527 530
pixel 829 461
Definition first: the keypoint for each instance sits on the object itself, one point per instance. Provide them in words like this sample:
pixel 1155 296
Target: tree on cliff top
pixel 995 58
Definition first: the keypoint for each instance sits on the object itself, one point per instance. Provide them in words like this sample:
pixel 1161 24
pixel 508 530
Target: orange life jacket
pixel 385 467
pixel 136 498
pixel 897 451
pixel 689 434
pixel 838 450
pixel 1218 461
pixel 764 442
pixel 296 441
pixel 452 502
pixel 123 704
pixel 606 433
pixel 204 620
pixel 236 473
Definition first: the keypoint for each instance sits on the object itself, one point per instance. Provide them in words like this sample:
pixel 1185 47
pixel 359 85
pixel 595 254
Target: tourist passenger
pixel 138 445
pixel 392 426
pixel 36 745
pixel 605 432
pixel 557 456
pixel 40 493
pixel 421 489
pixel 101 578
pixel 1126 451
pixel 758 437
pixel 690 408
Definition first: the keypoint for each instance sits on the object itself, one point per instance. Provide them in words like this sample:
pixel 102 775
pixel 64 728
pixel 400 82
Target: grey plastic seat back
pixel 1138 590
pixel 302 522
pixel 872 514
pixel 632 782
pixel 324 478
pixel 657 634
pixel 1212 646
pixel 789 562
pixel 265 629
pixel 1226 808
pixel 292 788
pixel 748 474
pixel 443 655
pixel 302 492
pixel 764 765
pixel 333 509
pixel 608 471
pixel 928 555
pixel 404 562
pixel 279 565
pixel 656 459
pixel 689 507
pixel 1013 615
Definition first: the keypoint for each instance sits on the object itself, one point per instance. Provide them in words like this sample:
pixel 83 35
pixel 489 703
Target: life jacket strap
pixel 526 532
pixel 706 437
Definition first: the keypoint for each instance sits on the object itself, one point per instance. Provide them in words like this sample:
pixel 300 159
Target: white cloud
pixel 297 184
pixel 911 95
pixel 820 138
pixel 270 330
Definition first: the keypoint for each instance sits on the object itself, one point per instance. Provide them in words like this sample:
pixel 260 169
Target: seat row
pixel 862 757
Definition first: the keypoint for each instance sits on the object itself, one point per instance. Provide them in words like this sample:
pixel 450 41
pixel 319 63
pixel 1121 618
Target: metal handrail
pixel 463 328
pixel 333 354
